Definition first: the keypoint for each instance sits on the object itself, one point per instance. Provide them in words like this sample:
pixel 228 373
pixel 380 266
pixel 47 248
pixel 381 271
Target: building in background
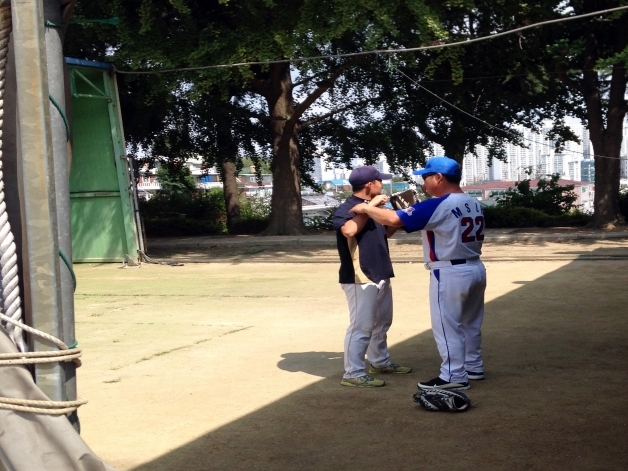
pixel 317 172
pixel 488 193
pixel 536 158
pixel 586 143
pixel 587 170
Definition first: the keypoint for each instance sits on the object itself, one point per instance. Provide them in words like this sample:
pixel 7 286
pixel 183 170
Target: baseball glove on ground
pixel 442 399
pixel 404 199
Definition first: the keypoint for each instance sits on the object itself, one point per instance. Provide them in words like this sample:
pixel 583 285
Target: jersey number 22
pixel 470 225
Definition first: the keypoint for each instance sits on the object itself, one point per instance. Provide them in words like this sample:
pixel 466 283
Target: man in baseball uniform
pixel 452 226
pixel 365 272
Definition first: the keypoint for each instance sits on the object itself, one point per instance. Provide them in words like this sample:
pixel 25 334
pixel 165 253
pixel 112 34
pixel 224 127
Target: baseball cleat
pixel 475 375
pixel 438 383
pixel 362 382
pixel 392 368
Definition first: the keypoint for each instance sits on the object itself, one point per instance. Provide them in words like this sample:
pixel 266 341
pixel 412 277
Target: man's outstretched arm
pixel 385 217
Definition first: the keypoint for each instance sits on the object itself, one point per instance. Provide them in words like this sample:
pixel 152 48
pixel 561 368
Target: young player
pixel 452 228
pixel 365 272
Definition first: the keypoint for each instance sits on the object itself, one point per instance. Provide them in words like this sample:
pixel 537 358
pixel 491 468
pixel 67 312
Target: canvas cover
pixel 31 442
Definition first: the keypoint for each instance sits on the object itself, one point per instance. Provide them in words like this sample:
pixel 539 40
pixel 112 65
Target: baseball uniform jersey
pixel 453 232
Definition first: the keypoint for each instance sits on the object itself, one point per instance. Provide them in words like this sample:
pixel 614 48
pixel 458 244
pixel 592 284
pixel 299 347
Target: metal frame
pixel 102 95
pixel 132 239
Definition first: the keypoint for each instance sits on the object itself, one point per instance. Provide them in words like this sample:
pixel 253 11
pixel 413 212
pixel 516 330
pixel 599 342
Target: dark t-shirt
pixel 364 258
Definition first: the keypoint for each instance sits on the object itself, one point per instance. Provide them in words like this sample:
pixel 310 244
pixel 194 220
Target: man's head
pixel 441 176
pixel 366 182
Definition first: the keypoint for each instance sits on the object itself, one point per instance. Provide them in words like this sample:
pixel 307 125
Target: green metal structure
pixel 103 204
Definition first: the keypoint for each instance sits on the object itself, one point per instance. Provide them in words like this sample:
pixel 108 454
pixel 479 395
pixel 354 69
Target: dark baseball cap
pixel 363 175
pixel 442 165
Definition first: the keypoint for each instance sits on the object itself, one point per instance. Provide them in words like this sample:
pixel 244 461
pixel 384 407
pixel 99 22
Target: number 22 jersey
pixel 452 225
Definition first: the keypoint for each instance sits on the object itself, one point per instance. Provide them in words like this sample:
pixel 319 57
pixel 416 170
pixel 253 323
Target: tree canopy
pixel 353 107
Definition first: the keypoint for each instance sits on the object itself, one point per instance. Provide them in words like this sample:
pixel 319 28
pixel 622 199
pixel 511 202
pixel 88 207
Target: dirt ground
pixel 405 252
pixel 236 366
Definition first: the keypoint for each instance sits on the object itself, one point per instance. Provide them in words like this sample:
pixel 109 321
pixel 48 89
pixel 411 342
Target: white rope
pixel 29 358
pixel 10 303
pixel 41 407
pixel 32 330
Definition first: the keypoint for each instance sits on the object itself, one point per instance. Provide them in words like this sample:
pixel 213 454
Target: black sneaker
pixel 475 375
pixel 438 383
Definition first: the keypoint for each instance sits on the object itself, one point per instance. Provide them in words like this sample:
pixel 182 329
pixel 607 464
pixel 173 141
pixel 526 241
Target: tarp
pixel 35 442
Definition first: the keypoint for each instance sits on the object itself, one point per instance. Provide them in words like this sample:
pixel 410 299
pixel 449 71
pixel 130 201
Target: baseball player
pixel 365 272
pixel 452 228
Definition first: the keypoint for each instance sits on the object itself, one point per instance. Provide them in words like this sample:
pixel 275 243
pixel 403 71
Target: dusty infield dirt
pixel 236 366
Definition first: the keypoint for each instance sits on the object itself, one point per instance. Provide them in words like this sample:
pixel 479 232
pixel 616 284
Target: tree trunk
pixel 232 198
pixel 455 143
pixel 454 149
pixel 286 216
pixel 607 171
pixel 605 123
pixel 606 136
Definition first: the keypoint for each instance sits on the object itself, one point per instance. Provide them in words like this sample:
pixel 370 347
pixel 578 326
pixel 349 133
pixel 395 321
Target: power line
pixel 505 131
pixel 488 77
pixel 373 52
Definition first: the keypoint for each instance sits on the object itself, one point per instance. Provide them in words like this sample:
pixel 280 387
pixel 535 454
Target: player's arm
pixel 390 231
pixel 355 225
pixel 385 217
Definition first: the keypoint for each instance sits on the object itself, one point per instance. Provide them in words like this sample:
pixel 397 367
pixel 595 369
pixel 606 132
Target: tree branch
pixel 562 76
pixel 318 119
pixel 252 114
pixel 322 88
pixel 616 102
pixel 309 79
pixel 260 86
pixel 428 133
pixel 591 89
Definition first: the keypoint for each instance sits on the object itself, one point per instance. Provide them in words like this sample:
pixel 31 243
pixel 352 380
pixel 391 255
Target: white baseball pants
pixel 457 310
pixel 370 317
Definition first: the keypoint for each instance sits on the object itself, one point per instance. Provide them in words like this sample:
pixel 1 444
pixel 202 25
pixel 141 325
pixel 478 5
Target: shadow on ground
pixel 555 351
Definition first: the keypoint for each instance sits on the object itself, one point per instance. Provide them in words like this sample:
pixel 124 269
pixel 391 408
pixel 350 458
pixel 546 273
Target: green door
pixel 103 210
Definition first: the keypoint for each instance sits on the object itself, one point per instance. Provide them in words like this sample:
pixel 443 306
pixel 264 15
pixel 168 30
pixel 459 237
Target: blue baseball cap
pixel 363 175
pixel 442 165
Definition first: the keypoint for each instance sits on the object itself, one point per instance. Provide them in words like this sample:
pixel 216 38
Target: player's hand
pixel 359 208
pixel 379 200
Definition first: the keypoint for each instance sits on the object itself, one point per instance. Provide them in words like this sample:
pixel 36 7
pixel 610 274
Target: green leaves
pixel 549 196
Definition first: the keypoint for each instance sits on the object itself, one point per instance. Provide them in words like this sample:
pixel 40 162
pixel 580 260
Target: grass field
pixel 229 366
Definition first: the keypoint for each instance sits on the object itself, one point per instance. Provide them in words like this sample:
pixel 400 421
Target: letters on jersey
pixel 452 225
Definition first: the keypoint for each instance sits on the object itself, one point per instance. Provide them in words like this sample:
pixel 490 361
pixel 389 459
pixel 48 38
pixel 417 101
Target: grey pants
pixel 370 317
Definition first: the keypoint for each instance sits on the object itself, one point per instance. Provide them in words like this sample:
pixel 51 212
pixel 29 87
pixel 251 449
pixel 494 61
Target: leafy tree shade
pixel 549 196
pixel 188 33
pixel 363 111
pixel 501 82
pixel 176 179
pixel 590 58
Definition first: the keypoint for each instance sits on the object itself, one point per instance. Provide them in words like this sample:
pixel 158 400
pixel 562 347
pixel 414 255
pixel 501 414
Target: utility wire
pixel 489 77
pixel 380 51
pixel 505 131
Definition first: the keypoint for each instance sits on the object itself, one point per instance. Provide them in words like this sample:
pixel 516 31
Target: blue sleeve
pixel 417 216
pixel 342 215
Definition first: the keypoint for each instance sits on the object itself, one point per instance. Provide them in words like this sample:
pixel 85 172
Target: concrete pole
pixel 39 221
pixel 61 157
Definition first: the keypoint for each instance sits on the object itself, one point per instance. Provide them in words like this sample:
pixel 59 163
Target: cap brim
pixel 385 176
pixel 423 171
